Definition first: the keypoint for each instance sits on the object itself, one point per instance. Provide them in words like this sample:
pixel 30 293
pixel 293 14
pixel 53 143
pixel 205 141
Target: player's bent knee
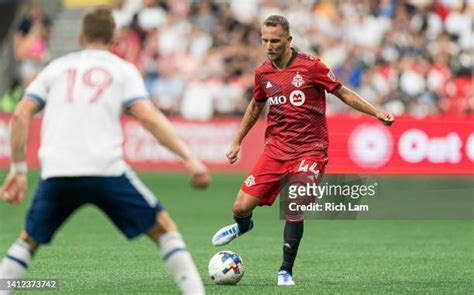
pixel 164 224
pixel 240 210
pixel 244 204
pixel 294 218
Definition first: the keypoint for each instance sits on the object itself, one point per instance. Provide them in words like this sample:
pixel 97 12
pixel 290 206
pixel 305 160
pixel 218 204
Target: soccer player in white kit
pixel 83 95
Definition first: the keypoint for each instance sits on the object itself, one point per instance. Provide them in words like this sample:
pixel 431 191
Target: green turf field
pixel 351 257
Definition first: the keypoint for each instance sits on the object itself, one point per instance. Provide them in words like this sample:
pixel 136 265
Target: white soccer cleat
pixel 285 279
pixel 225 235
pixel 228 233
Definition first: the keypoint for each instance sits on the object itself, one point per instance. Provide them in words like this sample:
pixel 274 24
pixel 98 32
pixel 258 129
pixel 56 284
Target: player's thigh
pixel 127 202
pixel 54 201
pixel 264 181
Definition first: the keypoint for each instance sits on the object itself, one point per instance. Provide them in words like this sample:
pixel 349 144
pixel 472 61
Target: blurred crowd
pixel 30 51
pixel 198 57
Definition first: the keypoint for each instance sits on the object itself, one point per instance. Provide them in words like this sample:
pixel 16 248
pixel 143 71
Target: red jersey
pixel 296 121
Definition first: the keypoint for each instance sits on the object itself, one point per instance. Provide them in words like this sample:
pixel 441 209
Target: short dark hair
pixel 277 20
pixel 98 25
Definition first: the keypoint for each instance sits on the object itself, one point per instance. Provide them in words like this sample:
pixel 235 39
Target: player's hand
pixel 14 188
pixel 200 177
pixel 385 117
pixel 233 153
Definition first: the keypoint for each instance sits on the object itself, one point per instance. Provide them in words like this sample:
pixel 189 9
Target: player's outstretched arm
pixel 251 116
pixel 355 101
pixel 14 187
pixel 160 127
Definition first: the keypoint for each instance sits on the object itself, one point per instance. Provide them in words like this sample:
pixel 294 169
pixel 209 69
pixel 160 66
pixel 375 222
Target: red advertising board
pixel 357 145
pixel 410 146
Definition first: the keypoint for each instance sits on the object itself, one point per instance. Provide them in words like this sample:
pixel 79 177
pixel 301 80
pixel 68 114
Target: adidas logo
pixel 269 85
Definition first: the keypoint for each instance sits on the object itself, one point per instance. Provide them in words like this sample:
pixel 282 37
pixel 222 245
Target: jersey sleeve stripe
pixel 338 85
pixel 260 99
pixel 130 101
pixel 36 98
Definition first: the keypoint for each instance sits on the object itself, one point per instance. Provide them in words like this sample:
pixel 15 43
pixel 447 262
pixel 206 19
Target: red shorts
pixel 268 176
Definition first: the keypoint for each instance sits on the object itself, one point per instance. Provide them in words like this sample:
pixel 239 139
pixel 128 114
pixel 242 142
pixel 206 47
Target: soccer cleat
pixel 226 234
pixel 285 279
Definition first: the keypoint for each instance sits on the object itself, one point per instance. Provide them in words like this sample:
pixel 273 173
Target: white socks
pixel 177 259
pixel 15 263
pixel 179 264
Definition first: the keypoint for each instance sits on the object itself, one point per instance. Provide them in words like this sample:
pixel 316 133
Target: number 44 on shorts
pixel 306 167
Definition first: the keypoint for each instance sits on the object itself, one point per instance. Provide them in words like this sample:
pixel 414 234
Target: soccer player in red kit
pixel 296 139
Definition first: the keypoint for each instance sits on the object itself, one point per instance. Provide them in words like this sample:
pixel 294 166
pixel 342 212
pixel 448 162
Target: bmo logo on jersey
pixel 277 99
pixel 297 98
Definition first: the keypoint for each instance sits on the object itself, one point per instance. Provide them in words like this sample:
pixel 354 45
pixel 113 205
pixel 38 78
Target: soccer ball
pixel 226 268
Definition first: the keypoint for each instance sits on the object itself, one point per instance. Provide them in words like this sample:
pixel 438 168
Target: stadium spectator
pixel 31 44
pixel 168 90
pixel 123 17
pixel 228 97
pixel 204 15
pixel 150 60
pixel 198 99
pixel 152 15
pixel 128 44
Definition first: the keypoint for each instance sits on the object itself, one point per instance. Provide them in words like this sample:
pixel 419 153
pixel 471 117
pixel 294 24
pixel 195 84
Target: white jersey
pixel 84 94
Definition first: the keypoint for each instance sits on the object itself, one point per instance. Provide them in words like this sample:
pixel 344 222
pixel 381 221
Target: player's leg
pixel 294 224
pixel 15 263
pixel 135 210
pixel 293 231
pixel 47 213
pixel 261 188
pixel 177 259
pixel 292 235
pixel 242 213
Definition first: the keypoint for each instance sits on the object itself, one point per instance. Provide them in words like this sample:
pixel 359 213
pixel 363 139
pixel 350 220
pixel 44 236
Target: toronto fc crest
pixel 297 80
pixel 250 181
